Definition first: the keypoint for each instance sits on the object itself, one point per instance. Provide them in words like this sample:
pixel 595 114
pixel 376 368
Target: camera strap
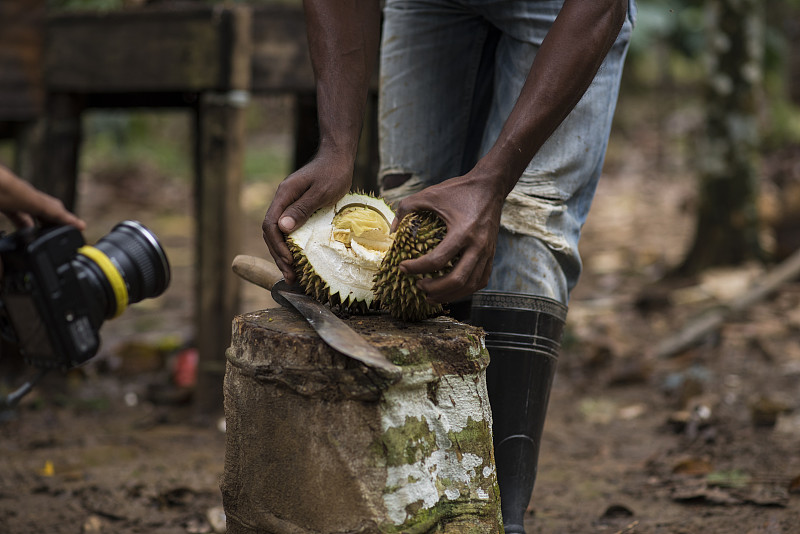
pixel 112 274
pixel 10 402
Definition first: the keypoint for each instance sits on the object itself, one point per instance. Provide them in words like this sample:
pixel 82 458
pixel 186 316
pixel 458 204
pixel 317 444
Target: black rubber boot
pixel 523 335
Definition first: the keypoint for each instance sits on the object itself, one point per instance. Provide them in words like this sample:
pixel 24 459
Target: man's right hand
pixel 322 182
pixel 343 44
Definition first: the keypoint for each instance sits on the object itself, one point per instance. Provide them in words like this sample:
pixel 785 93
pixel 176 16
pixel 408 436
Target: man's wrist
pixel 500 174
pixel 342 155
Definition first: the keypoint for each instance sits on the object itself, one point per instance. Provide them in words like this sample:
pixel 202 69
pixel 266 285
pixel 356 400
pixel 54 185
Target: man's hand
pixel 320 183
pixel 471 206
pixel 343 43
pixel 22 203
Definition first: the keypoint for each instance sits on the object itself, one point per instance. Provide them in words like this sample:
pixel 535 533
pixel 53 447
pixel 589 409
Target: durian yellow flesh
pixel 364 225
pixel 339 250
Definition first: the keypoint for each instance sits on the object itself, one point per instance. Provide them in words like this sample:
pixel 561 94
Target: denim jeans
pixel 451 70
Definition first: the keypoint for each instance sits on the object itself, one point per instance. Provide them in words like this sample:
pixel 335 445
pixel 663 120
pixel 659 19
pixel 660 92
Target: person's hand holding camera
pixel 22 203
pixel 55 290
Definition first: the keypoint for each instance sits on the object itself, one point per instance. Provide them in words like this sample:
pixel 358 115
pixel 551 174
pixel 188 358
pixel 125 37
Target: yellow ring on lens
pixel 112 274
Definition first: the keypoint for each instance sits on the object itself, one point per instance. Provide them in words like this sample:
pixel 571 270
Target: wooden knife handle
pixel 257 271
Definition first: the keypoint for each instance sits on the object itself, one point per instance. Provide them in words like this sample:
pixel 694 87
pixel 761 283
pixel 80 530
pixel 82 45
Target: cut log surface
pixel 318 442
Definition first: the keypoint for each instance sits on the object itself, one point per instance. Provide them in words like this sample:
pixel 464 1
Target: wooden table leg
pixel 56 168
pixel 219 157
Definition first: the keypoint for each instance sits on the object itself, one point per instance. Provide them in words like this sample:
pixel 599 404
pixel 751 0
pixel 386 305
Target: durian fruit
pixel 338 251
pixel 395 291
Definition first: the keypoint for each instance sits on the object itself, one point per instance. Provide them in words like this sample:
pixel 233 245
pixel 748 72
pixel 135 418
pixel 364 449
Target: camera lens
pixel 123 267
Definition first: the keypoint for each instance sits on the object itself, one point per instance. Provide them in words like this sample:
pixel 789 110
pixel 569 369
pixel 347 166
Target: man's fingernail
pixel 286 224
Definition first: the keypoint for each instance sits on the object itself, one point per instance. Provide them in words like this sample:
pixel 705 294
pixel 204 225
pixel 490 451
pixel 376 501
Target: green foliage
pixel 675 23
pixel 164 141
pixel 679 27
pixel 119 139
pixel 735 478
pixel 783 115
pixel 99 5
pixel 268 162
pixel 667 45
pixel 668 52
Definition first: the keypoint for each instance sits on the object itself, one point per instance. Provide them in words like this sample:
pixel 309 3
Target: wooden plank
pixel 151 49
pixel 219 156
pixel 280 50
pixel 27 160
pixel 21 45
pixel 57 153
pixel 281 63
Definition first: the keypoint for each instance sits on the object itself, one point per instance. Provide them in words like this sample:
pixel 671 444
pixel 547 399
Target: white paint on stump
pixel 430 479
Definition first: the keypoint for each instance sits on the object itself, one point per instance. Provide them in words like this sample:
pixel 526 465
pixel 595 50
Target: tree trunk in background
pixel 728 163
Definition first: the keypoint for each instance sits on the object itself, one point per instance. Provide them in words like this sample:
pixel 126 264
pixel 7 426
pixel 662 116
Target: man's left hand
pixel 471 206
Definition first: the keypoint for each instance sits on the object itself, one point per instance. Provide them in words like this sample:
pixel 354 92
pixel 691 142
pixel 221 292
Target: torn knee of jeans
pixel 395 179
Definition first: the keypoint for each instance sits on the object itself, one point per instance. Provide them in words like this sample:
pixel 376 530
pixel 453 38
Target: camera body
pixel 43 308
pixel 57 292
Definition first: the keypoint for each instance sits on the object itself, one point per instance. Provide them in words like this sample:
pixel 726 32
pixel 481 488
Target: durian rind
pixel 327 269
pixel 397 292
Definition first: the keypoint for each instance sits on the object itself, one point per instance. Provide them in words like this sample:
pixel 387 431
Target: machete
pixel 334 331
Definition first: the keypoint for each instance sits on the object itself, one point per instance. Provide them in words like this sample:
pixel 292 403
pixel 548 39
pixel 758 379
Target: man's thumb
pixel 287 224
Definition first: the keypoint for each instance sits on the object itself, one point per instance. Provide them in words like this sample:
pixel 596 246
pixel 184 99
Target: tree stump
pixel 320 443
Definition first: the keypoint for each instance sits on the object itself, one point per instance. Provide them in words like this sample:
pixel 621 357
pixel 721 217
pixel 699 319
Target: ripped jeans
pixel 451 71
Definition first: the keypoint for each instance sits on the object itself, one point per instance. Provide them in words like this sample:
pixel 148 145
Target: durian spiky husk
pixel 338 251
pixel 395 291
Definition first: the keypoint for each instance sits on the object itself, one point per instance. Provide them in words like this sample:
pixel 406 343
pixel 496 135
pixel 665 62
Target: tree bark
pixel 727 218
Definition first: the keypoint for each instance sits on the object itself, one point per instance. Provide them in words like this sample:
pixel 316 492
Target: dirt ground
pixel 706 441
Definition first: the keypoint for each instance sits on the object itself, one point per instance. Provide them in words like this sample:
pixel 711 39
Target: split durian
pixel 345 255
pixel 338 251
pixel 417 234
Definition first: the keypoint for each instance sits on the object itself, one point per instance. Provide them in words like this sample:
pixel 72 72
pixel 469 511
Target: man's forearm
pixel 343 40
pixel 565 66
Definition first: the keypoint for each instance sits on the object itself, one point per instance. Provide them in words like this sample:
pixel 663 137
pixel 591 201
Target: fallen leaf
pixel 703 493
pixel 48 470
pixel 794 485
pixel 632 412
pixel 92 525
pixel 693 466
pixel 601 411
pixel 734 478
pixel 765 412
pixel 616 511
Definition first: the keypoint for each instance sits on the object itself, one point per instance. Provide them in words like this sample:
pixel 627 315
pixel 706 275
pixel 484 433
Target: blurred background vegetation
pixel 662 84
pixel 662 103
pixel 667 55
